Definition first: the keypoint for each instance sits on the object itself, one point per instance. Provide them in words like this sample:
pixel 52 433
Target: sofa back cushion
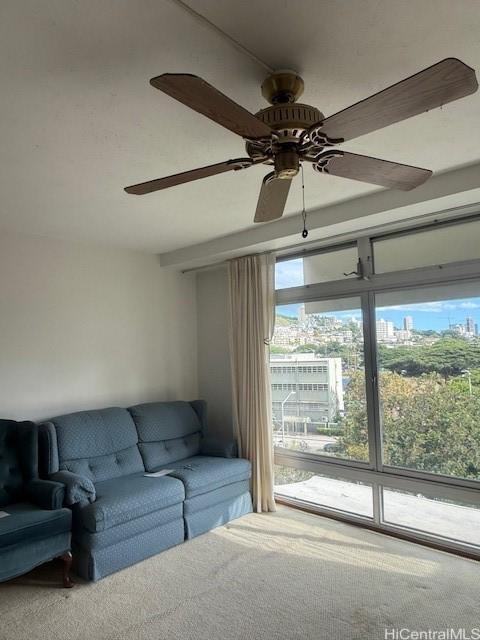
pixel 18 459
pixel 99 444
pixel 167 431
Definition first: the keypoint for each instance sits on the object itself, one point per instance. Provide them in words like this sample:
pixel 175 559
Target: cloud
pixel 289 274
pixel 434 307
pixel 427 307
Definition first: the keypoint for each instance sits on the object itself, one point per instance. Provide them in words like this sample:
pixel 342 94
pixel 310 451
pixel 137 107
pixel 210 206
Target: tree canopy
pixel 448 357
pixel 428 423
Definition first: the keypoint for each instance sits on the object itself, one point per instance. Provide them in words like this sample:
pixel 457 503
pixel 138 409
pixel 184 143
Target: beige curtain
pixel 252 313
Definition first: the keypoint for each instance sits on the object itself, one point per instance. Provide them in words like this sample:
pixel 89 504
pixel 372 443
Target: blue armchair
pixel 34 528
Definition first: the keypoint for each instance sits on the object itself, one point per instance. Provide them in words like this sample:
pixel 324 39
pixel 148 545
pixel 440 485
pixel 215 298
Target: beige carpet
pixel 281 576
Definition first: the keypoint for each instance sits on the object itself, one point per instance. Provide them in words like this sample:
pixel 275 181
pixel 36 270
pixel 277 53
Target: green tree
pixel 306 348
pixel 428 423
pixel 448 357
pixel 274 348
pixel 284 321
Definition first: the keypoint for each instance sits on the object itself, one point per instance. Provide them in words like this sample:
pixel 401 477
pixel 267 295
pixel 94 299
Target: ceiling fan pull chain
pixel 304 213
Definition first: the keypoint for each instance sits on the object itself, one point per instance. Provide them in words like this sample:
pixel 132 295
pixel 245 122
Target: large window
pixel 429 378
pixel 337 493
pixel 375 380
pixel 318 379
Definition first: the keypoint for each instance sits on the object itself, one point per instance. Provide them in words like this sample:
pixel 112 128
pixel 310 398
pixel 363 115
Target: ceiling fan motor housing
pixel 290 121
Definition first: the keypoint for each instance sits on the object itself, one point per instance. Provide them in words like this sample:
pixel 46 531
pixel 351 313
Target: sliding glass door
pixel 375 379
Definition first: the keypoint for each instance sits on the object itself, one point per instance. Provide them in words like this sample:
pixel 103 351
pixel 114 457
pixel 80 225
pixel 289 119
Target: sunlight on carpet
pixel 283 576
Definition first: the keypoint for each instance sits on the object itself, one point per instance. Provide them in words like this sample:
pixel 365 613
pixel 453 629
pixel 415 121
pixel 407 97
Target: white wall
pixel 214 381
pixel 84 327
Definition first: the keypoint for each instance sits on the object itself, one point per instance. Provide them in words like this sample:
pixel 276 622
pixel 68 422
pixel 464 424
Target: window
pixel 376 382
pixel 300 369
pixel 300 387
pixel 323 490
pixel 317 380
pixel 429 379
pixel 440 245
pixel 321 267
pixel 456 520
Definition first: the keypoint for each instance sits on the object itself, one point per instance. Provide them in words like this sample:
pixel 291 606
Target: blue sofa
pixel 34 528
pixel 120 516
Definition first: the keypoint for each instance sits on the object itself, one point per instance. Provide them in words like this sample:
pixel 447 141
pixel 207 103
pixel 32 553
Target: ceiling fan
pixel 287 133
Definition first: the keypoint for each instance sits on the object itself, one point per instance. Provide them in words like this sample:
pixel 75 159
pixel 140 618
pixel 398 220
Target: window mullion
pixel 371 381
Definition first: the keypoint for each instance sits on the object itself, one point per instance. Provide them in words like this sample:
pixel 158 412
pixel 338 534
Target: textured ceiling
pixel 79 120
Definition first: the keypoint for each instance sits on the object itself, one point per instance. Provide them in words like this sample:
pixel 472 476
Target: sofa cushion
pixel 112 465
pixel 161 454
pixel 167 431
pixel 164 420
pixel 120 500
pixel 200 474
pixel 27 523
pixel 100 444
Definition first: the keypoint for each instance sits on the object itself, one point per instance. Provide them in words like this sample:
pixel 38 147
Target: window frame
pixel 375 472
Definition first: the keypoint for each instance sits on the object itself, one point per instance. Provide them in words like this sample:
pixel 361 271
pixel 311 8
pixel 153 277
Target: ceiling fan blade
pixel 188 176
pixel 441 83
pixel 272 199
pixel 365 169
pixel 200 96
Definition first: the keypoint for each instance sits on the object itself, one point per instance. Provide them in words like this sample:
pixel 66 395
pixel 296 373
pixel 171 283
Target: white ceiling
pixel 79 120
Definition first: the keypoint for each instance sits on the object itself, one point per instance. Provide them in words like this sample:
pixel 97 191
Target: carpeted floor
pixel 287 576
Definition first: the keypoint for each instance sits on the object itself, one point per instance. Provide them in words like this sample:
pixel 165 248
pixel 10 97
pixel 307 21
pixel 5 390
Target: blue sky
pixel 436 314
pixel 433 315
pixel 289 273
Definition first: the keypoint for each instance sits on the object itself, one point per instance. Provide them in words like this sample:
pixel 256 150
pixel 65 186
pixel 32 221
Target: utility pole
pixel 292 393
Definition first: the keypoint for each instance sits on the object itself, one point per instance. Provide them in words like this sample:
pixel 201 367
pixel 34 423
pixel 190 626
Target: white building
pixel 385 331
pixel 403 335
pixel 306 387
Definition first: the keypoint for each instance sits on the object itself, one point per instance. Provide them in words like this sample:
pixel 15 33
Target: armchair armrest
pixel 219 448
pixel 46 493
pixel 77 488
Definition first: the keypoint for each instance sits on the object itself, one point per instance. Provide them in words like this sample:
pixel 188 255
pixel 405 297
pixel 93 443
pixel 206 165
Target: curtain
pixel 252 314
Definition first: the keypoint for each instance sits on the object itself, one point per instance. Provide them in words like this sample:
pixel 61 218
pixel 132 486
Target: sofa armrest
pixel 219 448
pixel 77 488
pixel 46 493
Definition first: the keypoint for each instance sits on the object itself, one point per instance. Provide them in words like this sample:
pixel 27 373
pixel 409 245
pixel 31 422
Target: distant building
pixel 459 329
pixel 385 331
pixel 470 326
pixel 408 323
pixel 309 388
pixel 467 330
pixel 402 335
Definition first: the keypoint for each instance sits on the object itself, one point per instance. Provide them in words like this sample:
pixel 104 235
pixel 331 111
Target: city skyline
pixel 436 315
pixel 423 319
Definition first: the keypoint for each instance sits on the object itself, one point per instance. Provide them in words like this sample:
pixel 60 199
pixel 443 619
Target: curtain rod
pixel 346 238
